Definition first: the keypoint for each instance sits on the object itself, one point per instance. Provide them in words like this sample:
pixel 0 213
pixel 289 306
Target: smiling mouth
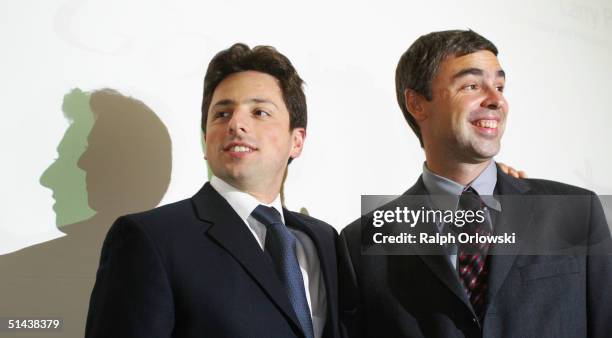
pixel 486 124
pixel 240 149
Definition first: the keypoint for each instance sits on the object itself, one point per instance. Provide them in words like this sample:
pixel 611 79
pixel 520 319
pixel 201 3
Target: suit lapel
pixel 325 245
pixel 230 232
pixel 516 216
pixel 440 265
pixel 434 256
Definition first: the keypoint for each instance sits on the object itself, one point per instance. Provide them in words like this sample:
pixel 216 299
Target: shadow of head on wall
pixel 115 158
pixel 63 176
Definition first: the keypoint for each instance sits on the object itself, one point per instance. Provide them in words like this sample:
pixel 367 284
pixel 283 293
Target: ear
pixel 415 104
pixel 298 136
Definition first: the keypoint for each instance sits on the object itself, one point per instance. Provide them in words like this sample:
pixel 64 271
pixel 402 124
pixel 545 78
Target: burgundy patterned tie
pixel 472 257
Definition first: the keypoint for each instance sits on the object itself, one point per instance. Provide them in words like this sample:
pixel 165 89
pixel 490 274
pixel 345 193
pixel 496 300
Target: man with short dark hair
pixel 231 261
pixel 450 88
pixel 418 66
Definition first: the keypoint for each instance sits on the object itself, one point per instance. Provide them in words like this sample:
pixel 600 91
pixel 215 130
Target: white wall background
pixel 557 55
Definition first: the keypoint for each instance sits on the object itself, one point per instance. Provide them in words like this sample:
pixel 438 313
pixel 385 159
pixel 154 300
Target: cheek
pixel 283 144
pixel 463 107
pixel 210 141
pixel 456 113
pixel 279 143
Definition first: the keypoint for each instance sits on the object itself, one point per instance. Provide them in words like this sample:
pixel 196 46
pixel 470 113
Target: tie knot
pixel 267 215
pixel 470 200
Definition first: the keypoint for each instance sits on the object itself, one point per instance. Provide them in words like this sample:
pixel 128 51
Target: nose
pixel 239 122
pixel 494 99
pixel 49 174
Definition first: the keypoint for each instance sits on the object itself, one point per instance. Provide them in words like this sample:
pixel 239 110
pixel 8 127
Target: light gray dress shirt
pixel 444 194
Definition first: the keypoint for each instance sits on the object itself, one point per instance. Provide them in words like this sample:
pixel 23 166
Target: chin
pixel 483 157
pixel 486 149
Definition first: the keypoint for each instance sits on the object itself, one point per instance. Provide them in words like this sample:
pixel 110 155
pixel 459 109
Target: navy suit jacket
pixel 420 294
pixel 193 269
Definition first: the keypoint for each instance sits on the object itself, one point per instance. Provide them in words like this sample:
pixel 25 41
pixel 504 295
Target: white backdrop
pixel 557 56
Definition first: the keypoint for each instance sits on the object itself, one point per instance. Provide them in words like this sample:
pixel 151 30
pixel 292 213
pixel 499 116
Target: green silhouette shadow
pixel 115 158
pixel 64 177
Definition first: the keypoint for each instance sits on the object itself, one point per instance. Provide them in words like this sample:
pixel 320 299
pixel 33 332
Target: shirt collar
pixel 449 190
pixel 485 183
pixel 240 201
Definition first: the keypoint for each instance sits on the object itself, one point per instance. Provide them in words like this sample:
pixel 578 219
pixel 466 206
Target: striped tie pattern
pixel 472 257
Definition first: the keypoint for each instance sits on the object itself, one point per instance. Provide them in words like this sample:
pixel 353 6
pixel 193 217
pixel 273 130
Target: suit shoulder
pixel 409 197
pixel 541 186
pixel 172 210
pixel 352 228
pixel 166 220
pixel 313 222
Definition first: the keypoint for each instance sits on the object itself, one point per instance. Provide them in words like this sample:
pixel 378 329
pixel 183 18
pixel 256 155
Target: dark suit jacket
pixel 193 269
pixel 420 295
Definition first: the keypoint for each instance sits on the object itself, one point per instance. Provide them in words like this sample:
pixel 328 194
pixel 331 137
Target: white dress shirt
pixel 308 258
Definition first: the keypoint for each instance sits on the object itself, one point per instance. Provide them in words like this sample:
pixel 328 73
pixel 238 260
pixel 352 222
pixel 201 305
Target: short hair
pixel 264 59
pixel 419 64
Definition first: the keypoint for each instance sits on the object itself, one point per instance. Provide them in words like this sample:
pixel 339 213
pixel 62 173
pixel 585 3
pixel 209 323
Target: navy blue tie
pixel 281 245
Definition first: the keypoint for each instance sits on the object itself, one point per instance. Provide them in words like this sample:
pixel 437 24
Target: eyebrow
pixel 475 71
pixel 229 102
